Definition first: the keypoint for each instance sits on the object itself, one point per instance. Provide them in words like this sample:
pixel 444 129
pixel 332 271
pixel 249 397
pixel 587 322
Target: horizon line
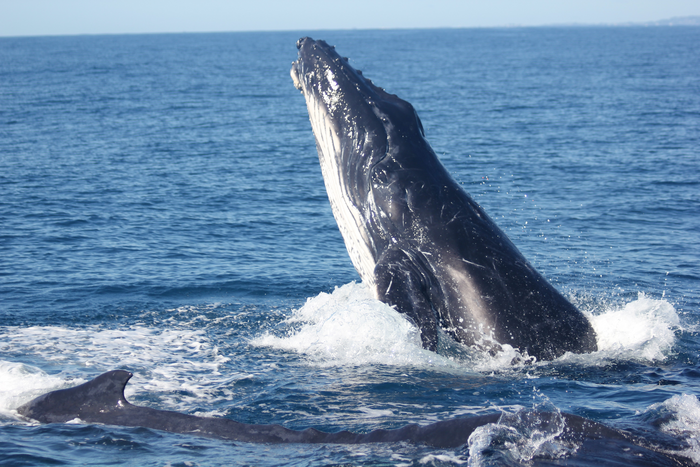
pixel 676 21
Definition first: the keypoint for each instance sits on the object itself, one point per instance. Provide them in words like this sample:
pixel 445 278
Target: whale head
pixel 367 141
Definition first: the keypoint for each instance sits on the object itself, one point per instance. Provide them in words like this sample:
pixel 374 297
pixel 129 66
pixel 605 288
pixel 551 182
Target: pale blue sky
pixel 51 17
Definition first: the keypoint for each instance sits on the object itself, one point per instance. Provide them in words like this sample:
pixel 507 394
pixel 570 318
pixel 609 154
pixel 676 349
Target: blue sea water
pixel 162 210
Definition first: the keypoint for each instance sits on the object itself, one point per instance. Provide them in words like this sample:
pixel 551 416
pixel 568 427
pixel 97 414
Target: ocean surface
pixel 162 211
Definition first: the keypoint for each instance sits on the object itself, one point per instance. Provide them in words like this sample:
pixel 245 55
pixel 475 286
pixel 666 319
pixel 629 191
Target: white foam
pixel 520 436
pixel 345 328
pixel 684 422
pixel 443 458
pixel 22 383
pixel 165 362
pixel 350 327
pixel 642 330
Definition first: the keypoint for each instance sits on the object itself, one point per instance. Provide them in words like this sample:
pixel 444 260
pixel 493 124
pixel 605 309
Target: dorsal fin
pixel 103 394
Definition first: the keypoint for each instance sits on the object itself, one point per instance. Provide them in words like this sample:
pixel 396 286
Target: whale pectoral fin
pixel 404 284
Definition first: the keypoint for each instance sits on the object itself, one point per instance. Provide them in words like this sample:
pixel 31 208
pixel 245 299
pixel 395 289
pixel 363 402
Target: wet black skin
pixel 101 401
pixel 438 257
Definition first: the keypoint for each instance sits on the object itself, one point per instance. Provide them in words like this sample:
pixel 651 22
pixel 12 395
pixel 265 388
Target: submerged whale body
pixel 102 401
pixel 419 242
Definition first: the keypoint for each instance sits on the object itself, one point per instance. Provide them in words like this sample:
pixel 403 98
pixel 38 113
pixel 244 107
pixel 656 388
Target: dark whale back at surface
pixel 102 401
pixel 419 242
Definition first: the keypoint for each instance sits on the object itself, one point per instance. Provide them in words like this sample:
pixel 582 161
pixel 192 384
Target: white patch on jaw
pixel 331 98
pixel 331 79
pixel 349 218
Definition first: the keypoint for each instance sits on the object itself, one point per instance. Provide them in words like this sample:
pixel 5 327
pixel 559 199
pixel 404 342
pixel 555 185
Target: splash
pixel 157 357
pixel 642 330
pixel 680 418
pixel 350 327
pixel 22 383
pixel 520 436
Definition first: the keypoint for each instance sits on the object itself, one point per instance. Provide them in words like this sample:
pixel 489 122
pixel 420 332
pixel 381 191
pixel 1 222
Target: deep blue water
pixel 162 210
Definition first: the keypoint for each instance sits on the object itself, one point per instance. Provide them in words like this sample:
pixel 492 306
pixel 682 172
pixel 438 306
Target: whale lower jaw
pixel 350 219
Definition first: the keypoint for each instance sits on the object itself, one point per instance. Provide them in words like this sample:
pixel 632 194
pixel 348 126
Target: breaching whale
pixel 102 401
pixel 420 242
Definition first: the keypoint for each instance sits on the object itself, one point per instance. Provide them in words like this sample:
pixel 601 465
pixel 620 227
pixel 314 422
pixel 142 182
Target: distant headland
pixel 675 21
